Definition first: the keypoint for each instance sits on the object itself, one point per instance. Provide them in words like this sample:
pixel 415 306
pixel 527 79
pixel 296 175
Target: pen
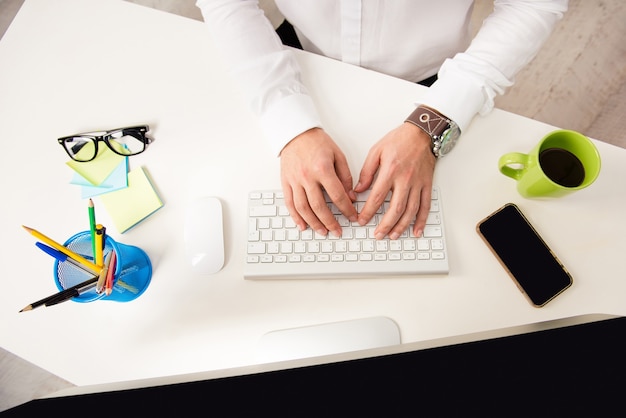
pixel 103 273
pixel 88 264
pixel 81 287
pixel 92 226
pixel 104 237
pixel 62 257
pixel 72 292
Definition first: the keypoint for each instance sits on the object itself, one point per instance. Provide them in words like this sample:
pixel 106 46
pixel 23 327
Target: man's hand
pixel 311 163
pixel 405 165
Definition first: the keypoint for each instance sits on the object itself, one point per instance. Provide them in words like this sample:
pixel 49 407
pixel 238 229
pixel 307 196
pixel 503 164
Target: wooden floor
pixel 578 81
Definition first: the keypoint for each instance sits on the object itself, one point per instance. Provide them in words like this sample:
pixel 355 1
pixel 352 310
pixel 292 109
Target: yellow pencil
pixel 99 245
pixel 91 266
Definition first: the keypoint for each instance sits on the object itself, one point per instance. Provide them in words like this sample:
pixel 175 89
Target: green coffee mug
pixel 562 162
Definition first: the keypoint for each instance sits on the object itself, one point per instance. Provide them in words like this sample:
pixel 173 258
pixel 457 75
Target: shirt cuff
pixel 457 97
pixel 287 119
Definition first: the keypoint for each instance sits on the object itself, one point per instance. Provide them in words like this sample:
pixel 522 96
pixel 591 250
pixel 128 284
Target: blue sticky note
pixel 118 179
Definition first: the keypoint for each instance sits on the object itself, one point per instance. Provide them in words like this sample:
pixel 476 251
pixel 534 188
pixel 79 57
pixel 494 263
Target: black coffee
pixel 562 167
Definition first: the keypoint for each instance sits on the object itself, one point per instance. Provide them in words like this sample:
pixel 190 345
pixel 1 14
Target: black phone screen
pixel 524 254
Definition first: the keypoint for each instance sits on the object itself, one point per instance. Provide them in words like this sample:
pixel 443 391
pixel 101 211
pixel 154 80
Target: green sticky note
pixel 97 170
pixel 131 205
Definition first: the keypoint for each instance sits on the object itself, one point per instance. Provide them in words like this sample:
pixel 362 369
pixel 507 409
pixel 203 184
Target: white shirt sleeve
pixel 468 83
pixel 508 40
pixel 267 71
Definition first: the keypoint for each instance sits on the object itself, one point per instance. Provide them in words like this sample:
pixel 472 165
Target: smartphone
pixel 529 261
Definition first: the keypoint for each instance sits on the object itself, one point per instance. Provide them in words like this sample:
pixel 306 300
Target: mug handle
pixel 513 158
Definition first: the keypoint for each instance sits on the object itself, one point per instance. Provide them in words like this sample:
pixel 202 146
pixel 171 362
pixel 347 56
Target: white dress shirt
pixel 409 39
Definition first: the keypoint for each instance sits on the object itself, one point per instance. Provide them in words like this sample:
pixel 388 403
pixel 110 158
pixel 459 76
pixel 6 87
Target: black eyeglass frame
pixel 138 132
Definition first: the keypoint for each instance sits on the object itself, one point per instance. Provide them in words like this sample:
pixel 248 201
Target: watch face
pixel 448 140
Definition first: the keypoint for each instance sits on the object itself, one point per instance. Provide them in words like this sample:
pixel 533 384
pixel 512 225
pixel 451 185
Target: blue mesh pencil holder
pixel 133 270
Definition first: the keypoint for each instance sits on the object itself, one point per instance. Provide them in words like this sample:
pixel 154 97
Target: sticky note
pixel 97 170
pixel 131 205
pixel 117 180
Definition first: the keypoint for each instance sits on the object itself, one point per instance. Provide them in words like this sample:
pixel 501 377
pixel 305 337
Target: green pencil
pixel 92 227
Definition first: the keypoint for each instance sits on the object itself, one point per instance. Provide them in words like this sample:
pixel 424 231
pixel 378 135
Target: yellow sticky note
pixel 127 207
pixel 97 170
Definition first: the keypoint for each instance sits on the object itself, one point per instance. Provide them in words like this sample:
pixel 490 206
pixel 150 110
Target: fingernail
pixel 353 218
pixel 321 231
pixel 380 236
pixel 394 235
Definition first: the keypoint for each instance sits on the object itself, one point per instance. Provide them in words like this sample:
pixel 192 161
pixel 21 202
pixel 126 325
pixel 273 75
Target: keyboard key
pixel 432 231
pixel 263 211
pixel 256 248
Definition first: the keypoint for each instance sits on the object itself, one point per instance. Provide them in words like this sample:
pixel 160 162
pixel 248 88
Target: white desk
pixel 74 65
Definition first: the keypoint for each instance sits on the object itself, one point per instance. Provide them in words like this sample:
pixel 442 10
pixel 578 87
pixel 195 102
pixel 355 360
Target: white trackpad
pixel 331 338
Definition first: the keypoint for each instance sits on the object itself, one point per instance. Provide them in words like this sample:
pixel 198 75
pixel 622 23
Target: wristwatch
pixel 443 131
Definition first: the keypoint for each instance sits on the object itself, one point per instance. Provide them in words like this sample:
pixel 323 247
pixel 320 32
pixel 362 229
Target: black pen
pixel 73 292
pixel 63 295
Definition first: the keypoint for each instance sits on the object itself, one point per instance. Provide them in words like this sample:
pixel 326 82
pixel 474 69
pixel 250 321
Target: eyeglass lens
pixel 124 142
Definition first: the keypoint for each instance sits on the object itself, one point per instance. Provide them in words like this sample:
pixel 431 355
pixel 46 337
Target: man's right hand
pixel 311 164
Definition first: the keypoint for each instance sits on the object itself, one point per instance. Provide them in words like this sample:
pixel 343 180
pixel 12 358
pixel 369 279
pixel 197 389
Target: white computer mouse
pixel 204 235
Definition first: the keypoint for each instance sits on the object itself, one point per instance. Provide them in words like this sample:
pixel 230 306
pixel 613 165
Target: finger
pixel 337 182
pixel 345 177
pixel 423 210
pixel 302 205
pixel 345 205
pixel 374 201
pixel 324 220
pixel 288 196
pixel 368 171
pixel 341 199
pixel 395 212
pixel 411 208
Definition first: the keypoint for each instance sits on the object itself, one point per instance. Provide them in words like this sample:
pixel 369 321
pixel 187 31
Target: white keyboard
pixel 276 249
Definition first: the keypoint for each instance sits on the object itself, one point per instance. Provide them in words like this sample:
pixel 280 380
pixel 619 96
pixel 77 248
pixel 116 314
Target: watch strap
pixel 430 121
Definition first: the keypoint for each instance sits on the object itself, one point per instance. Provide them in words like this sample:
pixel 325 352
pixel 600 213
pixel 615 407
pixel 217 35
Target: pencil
pixel 108 286
pixel 91 266
pixel 99 245
pixel 103 274
pixel 92 226
pixel 48 300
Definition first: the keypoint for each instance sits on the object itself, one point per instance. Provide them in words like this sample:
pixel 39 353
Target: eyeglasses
pixel 123 141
